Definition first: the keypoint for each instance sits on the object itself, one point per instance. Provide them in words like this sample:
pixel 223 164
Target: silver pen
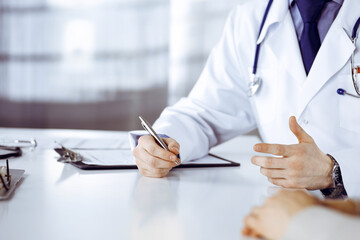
pixel 152 132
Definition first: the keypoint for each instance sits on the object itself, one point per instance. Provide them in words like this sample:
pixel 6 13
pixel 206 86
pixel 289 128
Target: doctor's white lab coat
pixel 219 109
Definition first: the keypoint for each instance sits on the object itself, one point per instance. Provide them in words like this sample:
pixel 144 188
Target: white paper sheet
pixel 94 143
pixel 125 157
pixel 107 157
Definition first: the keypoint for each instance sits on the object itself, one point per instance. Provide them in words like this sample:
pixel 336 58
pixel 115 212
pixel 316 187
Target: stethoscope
pixel 355 70
pixel 256 81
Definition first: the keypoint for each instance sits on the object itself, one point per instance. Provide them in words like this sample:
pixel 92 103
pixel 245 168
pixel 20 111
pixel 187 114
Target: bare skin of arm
pixel 271 220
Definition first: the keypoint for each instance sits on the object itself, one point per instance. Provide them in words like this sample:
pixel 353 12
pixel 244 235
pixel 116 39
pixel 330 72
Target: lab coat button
pixel 305 121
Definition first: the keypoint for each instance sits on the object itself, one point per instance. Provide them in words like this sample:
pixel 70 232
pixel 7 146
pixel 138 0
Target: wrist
pixel 329 163
pixel 337 189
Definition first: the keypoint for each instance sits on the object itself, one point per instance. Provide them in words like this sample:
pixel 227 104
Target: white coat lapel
pixel 334 53
pixel 282 40
pixel 285 46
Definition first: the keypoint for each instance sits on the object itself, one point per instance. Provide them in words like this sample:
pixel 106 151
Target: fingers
pixel 273 172
pixel 173 146
pixel 285 150
pixel 268 162
pixel 275 149
pixel 252 224
pixel 299 132
pixel 152 160
pixel 148 143
pixel 154 173
pixel 246 231
pixel 149 171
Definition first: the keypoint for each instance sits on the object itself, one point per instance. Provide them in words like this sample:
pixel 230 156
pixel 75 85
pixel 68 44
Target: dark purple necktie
pixel 310 41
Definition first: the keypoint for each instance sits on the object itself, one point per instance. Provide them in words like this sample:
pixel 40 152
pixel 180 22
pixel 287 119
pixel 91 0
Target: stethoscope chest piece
pixel 254 85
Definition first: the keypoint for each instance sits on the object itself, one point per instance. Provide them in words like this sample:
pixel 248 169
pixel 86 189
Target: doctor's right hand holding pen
pixel 154 161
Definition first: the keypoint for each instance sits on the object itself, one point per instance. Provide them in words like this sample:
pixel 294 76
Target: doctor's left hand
pixel 301 165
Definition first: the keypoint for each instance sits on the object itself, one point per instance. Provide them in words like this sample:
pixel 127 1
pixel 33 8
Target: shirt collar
pixel 340 2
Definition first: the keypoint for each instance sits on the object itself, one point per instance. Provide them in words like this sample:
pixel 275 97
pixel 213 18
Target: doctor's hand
pixel 301 165
pixel 152 160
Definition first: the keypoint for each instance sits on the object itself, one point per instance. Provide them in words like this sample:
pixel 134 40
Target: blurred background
pixel 98 64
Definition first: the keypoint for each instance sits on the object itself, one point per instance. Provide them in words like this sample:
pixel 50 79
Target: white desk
pixel 59 201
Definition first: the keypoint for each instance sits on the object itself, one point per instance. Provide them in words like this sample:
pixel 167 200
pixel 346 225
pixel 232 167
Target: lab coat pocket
pixel 349 107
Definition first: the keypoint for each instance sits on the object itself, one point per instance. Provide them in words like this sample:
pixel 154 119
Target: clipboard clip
pixel 69 155
pixel 5 183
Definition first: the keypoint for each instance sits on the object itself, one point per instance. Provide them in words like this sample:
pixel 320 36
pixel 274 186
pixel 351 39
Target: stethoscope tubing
pixel 255 81
pixel 257 51
pixel 356 27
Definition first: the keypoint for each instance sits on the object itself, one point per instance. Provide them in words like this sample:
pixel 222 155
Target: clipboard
pixel 220 162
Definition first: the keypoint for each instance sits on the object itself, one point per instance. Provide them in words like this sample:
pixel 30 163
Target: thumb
pixel 173 145
pixel 299 132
